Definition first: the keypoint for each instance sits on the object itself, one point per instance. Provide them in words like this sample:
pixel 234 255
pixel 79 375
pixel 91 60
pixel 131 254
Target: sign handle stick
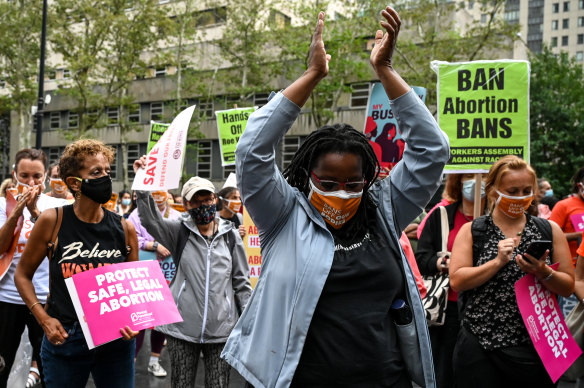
pixel 477 196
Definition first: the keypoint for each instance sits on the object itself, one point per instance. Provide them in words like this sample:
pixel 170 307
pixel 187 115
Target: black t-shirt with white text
pixel 82 246
pixel 352 339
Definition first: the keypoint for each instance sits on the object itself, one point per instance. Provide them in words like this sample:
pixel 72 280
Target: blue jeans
pixel 111 365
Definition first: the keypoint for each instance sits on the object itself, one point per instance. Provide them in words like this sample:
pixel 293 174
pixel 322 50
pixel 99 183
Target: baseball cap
pixel 194 185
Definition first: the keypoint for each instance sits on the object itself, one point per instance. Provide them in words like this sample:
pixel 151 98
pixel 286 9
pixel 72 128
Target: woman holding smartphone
pixel 494 347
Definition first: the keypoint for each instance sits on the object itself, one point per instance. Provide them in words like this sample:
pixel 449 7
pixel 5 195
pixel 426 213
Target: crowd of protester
pixel 340 299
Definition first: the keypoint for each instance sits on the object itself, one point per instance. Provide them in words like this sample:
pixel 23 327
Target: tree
pixel 436 30
pixel 557 118
pixel 20 26
pixel 348 28
pixel 105 44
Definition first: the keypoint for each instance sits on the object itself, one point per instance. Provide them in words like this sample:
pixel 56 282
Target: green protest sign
pixel 230 125
pixel 156 132
pixel 483 107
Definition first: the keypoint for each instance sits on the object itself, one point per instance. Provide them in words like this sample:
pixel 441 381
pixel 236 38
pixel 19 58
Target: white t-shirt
pixel 8 291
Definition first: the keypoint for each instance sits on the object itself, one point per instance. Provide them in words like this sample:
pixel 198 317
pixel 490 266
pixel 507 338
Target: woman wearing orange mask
pixel 494 347
pixel 321 313
pixel 228 206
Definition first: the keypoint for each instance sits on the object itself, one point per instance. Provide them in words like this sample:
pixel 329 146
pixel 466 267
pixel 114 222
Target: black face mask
pixel 98 189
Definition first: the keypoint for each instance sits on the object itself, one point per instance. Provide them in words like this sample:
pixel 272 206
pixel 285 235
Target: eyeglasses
pixel 202 201
pixel 327 185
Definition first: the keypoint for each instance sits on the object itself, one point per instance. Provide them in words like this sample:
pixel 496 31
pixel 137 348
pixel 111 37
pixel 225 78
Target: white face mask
pixel 468 190
pixel 21 186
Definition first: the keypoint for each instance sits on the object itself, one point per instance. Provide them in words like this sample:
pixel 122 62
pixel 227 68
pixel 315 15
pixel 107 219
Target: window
pixel 227 170
pixel 359 95
pixel 156 110
pixel 203 159
pixel 554 42
pixel 555 7
pixel 579 56
pixel 471 4
pixel 206 108
pixel 581 21
pixel 565 24
pixel 160 72
pixel 114 164
pixel 134 113
pixel 73 121
pixel 113 116
pixel 53 154
pixel 2 84
pixel 290 145
pixel 51 75
pixel 580 38
pixel 260 99
pixel 66 73
pixel 280 19
pixel 55 120
pixel 211 17
pixel 483 18
pixel 566 6
pixel 554 24
pixel 580 4
pixel 564 40
pixel 133 154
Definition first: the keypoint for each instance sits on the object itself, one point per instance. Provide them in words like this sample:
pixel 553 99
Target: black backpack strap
pixel 230 240
pixel 545 228
pixel 125 227
pixel 53 241
pixel 183 237
pixel 479 237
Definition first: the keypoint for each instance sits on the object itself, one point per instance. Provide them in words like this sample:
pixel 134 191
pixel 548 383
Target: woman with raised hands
pixel 321 313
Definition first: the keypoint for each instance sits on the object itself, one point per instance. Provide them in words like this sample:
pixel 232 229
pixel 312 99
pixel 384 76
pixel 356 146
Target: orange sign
pixel 251 241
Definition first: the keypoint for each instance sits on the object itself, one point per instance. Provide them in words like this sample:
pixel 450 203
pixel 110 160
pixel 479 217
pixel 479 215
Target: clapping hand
pixel 385 42
pixel 318 59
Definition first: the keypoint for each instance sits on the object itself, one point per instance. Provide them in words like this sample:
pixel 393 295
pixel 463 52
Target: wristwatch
pixel 155 245
pixel 34 219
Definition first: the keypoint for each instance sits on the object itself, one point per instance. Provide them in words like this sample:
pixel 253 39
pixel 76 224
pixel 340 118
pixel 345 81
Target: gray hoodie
pixel 211 283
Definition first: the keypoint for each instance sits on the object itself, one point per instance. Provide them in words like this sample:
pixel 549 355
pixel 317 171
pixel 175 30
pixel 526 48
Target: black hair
pixel 337 138
pixel 224 193
pixel 577 178
pixel 121 193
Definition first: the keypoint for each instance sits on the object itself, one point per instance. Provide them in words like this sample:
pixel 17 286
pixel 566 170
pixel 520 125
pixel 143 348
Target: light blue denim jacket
pixel 297 248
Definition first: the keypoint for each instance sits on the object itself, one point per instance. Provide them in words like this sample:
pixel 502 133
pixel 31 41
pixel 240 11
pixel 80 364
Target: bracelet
pixel 34 304
pixel 549 276
pixel 155 245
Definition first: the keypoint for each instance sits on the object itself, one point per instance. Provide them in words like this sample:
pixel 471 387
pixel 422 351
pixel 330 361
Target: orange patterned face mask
pixel 336 207
pixel 57 185
pixel 513 207
pixel 232 204
pixel 160 196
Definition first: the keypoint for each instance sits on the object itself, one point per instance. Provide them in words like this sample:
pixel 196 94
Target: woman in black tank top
pixel 85 225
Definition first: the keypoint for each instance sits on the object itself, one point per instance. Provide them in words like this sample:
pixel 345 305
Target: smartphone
pixel 537 248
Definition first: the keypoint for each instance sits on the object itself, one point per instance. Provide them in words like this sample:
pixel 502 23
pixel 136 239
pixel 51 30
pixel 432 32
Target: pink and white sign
pixel 578 222
pixel 164 161
pixel 111 297
pixel 546 327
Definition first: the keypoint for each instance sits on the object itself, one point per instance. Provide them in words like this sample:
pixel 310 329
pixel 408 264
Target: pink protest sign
pixel 108 298
pixel 578 222
pixel 546 327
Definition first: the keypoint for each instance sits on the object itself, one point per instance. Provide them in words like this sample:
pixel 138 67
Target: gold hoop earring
pixel 78 195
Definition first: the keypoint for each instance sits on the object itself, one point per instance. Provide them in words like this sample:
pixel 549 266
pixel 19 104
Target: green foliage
pixel 20 26
pixel 103 43
pixel 347 31
pixel 557 118
pixel 435 30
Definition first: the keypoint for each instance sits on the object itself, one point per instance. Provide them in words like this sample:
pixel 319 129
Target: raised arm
pixel 264 191
pixel 164 230
pixel 417 176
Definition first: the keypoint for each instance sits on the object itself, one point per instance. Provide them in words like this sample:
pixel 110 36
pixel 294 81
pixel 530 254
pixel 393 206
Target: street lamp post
pixel 41 97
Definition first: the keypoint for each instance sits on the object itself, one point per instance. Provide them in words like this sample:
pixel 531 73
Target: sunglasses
pixel 328 185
